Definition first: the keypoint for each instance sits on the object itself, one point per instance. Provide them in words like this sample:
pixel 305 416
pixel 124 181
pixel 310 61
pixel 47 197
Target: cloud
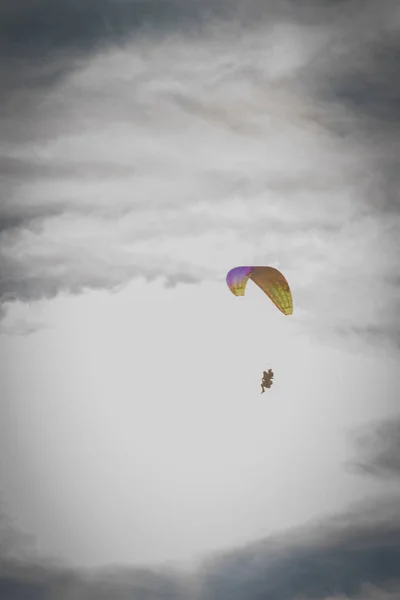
pixel 133 148
pixel 42 27
pixel 378 449
pixel 354 555
pixel 336 559
pixel 26 574
pixel 57 583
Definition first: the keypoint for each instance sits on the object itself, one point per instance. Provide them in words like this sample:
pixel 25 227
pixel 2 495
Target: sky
pixel 146 148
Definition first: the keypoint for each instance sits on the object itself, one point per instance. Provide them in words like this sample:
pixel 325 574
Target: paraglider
pixel 273 284
pixel 267 380
pixel 270 280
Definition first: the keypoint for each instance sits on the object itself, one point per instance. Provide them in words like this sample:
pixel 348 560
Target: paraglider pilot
pixel 267 380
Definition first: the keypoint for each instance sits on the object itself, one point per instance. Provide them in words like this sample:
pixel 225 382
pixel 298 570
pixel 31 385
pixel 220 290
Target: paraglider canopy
pixel 269 279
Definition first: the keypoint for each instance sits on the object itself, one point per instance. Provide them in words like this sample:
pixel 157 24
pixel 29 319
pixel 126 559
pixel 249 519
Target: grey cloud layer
pixel 40 27
pixel 332 560
pixel 342 91
pixel 355 555
pixel 378 449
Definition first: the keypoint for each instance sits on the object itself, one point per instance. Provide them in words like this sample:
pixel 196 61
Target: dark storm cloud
pixel 40 27
pixel 62 30
pixel 355 555
pixel 26 575
pixel 373 89
pixel 362 74
pixel 43 41
pixel 31 581
pixel 337 559
pixel 378 449
pixel 359 71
